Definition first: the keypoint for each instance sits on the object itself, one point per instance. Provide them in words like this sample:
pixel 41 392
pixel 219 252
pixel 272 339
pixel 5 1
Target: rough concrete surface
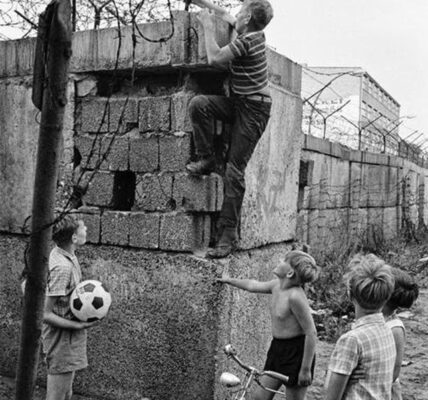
pixel 168 322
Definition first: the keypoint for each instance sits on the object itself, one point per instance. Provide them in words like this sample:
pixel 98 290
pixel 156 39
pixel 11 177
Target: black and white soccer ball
pixel 90 301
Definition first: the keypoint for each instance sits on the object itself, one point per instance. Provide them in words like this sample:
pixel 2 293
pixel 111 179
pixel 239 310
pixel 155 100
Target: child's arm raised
pixel 300 308
pixel 221 12
pixel 49 317
pixel 250 285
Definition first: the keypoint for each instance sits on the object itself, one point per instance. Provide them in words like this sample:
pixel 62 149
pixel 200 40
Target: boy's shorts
pixel 285 357
pixel 65 350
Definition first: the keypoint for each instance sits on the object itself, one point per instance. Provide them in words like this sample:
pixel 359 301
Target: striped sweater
pixel 249 67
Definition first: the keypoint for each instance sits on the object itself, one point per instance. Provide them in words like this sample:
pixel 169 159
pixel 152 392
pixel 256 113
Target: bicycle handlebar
pixel 231 352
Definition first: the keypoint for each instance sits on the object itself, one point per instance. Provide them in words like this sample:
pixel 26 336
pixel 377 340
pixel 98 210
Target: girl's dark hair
pixel 405 292
pixel 64 229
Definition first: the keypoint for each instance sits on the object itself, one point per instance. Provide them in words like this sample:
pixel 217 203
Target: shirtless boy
pixel 292 351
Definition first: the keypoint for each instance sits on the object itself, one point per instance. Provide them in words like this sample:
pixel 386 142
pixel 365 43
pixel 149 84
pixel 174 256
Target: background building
pixel 345 104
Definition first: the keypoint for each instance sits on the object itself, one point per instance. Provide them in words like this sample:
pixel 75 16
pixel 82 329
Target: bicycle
pixel 252 374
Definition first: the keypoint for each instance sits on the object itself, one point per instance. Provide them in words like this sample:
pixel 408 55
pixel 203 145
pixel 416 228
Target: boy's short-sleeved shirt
pixel 370 345
pixel 249 72
pixel 65 349
pixel 64 275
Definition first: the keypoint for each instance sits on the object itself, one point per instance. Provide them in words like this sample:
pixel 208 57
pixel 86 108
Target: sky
pixel 387 38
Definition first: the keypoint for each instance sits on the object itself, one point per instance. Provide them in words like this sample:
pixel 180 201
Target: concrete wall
pixel 347 194
pixel 144 214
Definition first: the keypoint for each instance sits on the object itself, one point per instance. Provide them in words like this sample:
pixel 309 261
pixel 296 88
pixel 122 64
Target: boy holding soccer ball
pixel 64 338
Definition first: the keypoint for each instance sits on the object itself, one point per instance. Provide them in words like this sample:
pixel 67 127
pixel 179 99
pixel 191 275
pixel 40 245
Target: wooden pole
pixel 57 51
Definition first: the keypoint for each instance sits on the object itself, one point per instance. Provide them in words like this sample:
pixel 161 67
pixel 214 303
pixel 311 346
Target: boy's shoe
pixel 204 166
pixel 226 245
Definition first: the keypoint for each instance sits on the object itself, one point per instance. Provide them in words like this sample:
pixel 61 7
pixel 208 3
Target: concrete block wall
pixel 123 161
pixel 133 153
pixel 347 194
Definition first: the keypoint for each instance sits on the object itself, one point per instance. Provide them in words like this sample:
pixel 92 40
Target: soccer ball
pixel 90 301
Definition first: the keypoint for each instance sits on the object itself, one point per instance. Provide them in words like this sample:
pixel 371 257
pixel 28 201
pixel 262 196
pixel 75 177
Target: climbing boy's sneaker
pixel 204 166
pixel 226 245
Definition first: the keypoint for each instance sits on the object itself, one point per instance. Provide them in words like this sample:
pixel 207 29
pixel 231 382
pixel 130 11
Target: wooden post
pixel 56 42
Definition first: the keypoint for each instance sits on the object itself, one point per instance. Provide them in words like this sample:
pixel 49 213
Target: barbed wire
pixel 382 135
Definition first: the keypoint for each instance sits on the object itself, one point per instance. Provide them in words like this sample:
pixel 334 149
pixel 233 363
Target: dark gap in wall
pixel 208 82
pixel 305 177
pixel 143 85
pixel 123 190
pixel 79 187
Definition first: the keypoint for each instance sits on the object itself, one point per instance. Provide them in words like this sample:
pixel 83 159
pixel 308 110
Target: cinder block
pixel 180 120
pixel 155 114
pixel 94 115
pixel 153 192
pixel 144 154
pixel 105 152
pixel 174 152
pixel 115 227
pixel 184 232
pixel 101 114
pixel 91 216
pixel 198 193
pixel 100 189
pixel 144 230
pixel 123 114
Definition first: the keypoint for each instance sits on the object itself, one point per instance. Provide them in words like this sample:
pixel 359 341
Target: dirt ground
pixel 414 375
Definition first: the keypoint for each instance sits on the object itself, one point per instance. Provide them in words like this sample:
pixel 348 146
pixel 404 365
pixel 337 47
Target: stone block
pixel 355 185
pixel 144 230
pixel 318 145
pixel 391 223
pixel 184 232
pixel 144 154
pixel 313 224
pixel 86 85
pixel 100 188
pixel 392 187
pixel 355 156
pixel 91 216
pixel 197 50
pixel 358 220
pixel 374 158
pixel 174 152
pixel 198 193
pixel 337 150
pixel 105 152
pixel 284 72
pixel 302 226
pixel 395 161
pixel 115 228
pixel 154 114
pixel 153 192
pixel 102 114
pixel 180 120
pixel 94 115
pixel 123 114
